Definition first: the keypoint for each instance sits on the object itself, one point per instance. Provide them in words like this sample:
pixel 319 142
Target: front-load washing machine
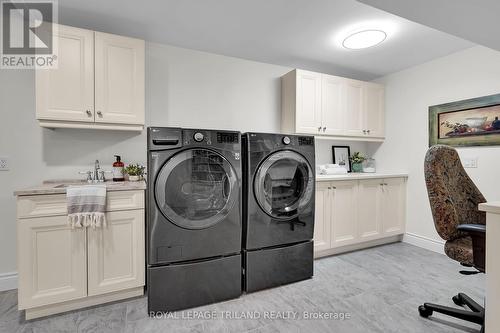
pixel 278 217
pixel 193 217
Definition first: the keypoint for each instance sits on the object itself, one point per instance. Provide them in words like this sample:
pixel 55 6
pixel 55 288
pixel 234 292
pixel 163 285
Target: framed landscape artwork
pixel 341 155
pixel 471 122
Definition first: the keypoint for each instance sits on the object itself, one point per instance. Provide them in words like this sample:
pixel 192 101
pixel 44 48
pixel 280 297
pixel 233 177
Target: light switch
pixel 470 162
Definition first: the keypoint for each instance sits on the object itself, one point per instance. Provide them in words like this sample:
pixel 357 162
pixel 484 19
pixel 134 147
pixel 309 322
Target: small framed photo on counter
pixel 341 156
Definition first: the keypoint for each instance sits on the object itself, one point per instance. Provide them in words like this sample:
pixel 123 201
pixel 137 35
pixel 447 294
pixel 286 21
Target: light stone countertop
pixel 59 187
pixel 355 176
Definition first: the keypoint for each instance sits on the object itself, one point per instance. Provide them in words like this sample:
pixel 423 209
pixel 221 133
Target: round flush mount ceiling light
pixel 364 39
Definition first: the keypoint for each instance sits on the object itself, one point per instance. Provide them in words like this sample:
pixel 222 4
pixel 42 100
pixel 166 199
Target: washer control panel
pixel 198 137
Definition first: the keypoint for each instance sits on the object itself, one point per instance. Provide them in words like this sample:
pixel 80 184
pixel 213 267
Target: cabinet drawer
pixel 55 204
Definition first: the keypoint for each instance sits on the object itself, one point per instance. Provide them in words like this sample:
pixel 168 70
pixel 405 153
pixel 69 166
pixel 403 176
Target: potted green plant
pixel 357 162
pixel 134 172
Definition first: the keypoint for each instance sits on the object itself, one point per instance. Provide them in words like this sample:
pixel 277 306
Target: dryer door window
pixel 283 184
pixel 196 188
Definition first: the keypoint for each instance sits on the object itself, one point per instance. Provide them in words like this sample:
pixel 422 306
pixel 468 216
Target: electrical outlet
pixel 4 163
pixel 470 162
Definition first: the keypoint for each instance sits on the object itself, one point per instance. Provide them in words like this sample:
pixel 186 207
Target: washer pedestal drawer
pixel 272 267
pixel 186 285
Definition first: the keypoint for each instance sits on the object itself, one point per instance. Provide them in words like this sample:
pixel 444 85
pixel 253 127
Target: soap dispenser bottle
pixel 118 170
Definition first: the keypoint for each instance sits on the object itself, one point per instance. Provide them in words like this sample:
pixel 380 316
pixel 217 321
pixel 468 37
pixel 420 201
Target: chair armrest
pixel 477 229
pixel 478 234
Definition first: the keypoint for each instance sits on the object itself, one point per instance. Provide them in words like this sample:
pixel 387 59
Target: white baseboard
pixel 8 281
pixel 424 242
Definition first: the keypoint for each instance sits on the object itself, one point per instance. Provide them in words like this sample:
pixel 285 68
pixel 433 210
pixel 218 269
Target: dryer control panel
pixel 210 137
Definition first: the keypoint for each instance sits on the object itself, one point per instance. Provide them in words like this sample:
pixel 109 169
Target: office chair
pixel 454 200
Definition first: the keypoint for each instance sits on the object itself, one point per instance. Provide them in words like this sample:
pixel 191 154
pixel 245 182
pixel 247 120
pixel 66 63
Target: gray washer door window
pixel 283 184
pixel 196 188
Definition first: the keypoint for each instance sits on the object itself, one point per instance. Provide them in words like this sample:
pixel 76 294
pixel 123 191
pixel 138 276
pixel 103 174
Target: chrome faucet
pixel 97 167
pixel 96 176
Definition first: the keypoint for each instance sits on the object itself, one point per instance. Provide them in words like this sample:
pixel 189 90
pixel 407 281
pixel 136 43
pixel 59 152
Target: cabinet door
pixel 322 217
pixel 119 79
pixel 308 111
pixel 369 214
pixel 332 111
pixel 52 261
pixel 353 101
pixel 393 206
pixel 374 109
pixel 344 213
pixel 116 253
pixel 67 93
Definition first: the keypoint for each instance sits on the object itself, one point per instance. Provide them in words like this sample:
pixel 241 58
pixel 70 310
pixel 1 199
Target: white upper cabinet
pixel 374 110
pixel 119 79
pixel 332 115
pixel 68 92
pixel 327 105
pixel 353 96
pixel 308 101
pixel 98 83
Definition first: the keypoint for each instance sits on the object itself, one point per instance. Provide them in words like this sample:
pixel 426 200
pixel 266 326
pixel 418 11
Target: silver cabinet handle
pixel 364 131
pixel 324 129
pixel 319 128
pixel 99 113
pixel 89 113
pixel 368 131
pixel 329 187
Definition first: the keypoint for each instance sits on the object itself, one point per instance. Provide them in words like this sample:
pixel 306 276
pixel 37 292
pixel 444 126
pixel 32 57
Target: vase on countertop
pixel 134 178
pixel 357 167
pixel 369 165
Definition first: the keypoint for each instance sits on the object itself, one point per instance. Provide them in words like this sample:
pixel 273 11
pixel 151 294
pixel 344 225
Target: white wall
pixel 470 73
pixel 324 149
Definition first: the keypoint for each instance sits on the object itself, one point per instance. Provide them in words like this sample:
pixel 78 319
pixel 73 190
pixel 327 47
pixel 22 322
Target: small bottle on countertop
pixel 118 174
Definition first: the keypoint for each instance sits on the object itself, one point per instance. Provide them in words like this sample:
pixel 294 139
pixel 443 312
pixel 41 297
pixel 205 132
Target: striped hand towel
pixel 86 206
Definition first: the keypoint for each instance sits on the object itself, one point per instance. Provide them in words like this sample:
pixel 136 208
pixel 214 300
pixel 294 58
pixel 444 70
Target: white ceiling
pixel 474 20
pixel 295 33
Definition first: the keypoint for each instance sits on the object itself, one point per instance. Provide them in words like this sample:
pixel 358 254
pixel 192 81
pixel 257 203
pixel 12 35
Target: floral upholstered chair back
pixel 452 194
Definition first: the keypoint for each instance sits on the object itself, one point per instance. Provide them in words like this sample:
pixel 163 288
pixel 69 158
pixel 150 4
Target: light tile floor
pixel 379 288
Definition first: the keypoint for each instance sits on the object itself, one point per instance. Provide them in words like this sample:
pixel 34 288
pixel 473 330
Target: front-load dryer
pixel 193 217
pixel 278 218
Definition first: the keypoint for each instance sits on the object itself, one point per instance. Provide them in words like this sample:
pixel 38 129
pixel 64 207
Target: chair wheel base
pixel 458 301
pixel 424 312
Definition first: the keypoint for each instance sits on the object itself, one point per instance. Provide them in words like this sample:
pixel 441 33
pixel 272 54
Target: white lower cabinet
pixel 116 253
pixel 322 225
pixel 370 208
pixel 62 268
pixel 344 213
pixel 53 261
pixel 393 206
pixel 355 213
